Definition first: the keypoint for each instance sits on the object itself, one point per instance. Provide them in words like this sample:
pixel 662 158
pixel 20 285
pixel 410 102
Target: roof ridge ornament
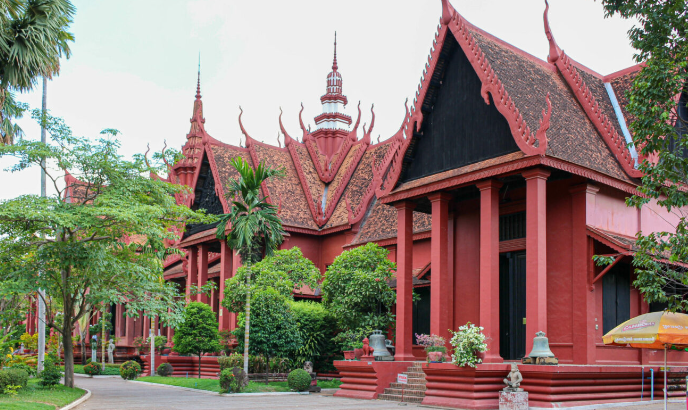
pixel 334 62
pixel 554 50
pixel 447 12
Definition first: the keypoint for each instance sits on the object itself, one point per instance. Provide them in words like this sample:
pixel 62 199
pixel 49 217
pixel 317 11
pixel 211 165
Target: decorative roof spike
pixel 198 84
pixel 554 50
pixel 447 12
pixel 334 62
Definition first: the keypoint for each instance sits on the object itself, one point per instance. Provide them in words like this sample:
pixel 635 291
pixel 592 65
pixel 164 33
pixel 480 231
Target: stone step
pixel 416 375
pixel 394 397
pixel 416 380
pixel 410 393
pixel 418 387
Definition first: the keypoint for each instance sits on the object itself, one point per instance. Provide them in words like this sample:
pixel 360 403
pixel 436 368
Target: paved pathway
pixel 115 393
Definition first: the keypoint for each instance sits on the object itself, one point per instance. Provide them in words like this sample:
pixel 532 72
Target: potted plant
pixel 434 347
pixel 139 343
pixel 358 350
pixel 469 345
pixel 349 341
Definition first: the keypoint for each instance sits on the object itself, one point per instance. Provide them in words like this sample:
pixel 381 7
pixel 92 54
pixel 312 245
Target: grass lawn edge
pixel 78 401
pixel 281 393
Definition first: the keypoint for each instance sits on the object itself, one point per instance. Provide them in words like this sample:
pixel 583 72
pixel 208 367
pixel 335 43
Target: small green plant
pixel 299 380
pixel 160 342
pixel 12 380
pixel 51 375
pixel 11 390
pixel 467 342
pixel 92 369
pixel 130 370
pixel 165 370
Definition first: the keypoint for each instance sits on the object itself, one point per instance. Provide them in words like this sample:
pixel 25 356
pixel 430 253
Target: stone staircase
pixel 414 391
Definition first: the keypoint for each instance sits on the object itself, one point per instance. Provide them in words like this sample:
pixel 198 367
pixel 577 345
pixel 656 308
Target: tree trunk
pixel 199 365
pixel 83 350
pixel 267 369
pixel 68 354
pixel 248 316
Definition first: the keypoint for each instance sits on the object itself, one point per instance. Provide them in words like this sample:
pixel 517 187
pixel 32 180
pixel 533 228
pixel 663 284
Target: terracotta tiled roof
pixel 621 85
pixel 286 192
pixel 571 135
pixel 223 154
pixel 380 223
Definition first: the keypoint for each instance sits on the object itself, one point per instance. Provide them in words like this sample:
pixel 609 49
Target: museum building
pixel 506 175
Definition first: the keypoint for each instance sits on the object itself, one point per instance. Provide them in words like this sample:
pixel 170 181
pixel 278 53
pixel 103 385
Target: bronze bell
pixel 377 342
pixel 540 346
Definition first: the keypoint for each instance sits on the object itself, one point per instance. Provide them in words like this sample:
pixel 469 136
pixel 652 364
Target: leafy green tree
pixel 317 326
pixel 33 38
pixel 256 229
pixel 356 288
pixel 274 331
pixel 98 238
pixel 287 271
pixel 660 133
pixel 197 334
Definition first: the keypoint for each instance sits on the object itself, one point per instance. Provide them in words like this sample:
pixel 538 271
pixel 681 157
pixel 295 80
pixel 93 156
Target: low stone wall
pixel 547 386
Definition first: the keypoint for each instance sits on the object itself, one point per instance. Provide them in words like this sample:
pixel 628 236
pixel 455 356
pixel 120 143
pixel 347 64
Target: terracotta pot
pixel 349 355
pixel 358 353
pixel 166 350
pixel 436 357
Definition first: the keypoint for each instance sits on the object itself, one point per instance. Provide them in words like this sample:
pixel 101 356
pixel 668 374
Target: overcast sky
pixel 135 62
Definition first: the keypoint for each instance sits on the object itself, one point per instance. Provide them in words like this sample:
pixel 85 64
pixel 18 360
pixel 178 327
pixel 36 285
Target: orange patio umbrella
pixel 656 330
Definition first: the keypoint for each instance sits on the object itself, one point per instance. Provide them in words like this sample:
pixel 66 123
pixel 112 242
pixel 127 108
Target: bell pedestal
pixel 517 400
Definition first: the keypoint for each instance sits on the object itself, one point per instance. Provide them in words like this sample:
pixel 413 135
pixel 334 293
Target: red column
pixel 582 205
pixel 225 273
pixel 118 321
pixel 489 266
pixel 536 253
pixel 202 272
pixel 404 316
pixel 129 335
pixel 191 271
pixel 441 286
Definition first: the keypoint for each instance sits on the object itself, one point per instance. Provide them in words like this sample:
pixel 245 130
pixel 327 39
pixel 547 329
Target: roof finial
pixel 198 85
pixel 334 63
pixel 554 50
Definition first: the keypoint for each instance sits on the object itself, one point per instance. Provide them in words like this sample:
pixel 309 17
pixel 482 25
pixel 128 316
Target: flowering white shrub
pixel 466 342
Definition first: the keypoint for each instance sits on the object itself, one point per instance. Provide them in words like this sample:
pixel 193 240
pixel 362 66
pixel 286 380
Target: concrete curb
pixel 612 405
pixel 100 376
pixel 289 393
pixel 78 401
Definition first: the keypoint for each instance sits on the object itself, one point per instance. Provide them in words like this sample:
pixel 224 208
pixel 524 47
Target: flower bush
pixel 466 342
pixel 299 380
pixel 92 369
pixel 130 370
pixel 431 343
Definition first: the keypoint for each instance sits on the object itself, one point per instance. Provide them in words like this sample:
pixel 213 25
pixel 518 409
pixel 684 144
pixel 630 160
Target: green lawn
pixel 214 385
pixel 35 397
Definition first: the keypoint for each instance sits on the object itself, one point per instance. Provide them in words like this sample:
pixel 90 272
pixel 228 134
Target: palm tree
pixel 256 229
pixel 33 38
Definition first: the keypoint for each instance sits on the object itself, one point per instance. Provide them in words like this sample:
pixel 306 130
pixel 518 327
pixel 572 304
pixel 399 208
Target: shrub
pixel 51 375
pixel 130 370
pixel 231 361
pixel 31 371
pixel 231 380
pixel 12 380
pixel 317 326
pixel 160 342
pixel 299 380
pixel 165 370
pixel 92 369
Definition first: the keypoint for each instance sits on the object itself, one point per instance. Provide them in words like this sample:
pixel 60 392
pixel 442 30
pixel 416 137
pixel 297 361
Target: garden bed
pixel 214 384
pixel 35 397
